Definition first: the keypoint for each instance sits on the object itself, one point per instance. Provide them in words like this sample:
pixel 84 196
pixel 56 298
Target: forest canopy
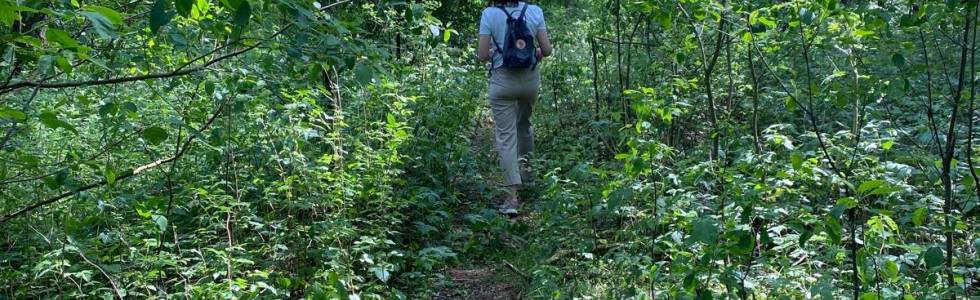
pixel 343 149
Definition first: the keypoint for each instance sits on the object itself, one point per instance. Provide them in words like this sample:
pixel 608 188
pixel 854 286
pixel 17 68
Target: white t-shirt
pixel 494 22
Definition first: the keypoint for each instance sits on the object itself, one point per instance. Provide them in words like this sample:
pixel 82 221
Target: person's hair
pixel 502 2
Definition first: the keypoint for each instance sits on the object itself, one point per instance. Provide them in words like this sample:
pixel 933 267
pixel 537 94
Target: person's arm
pixel 545 43
pixel 483 48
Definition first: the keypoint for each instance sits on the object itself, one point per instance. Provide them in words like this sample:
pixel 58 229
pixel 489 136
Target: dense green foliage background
pixel 687 149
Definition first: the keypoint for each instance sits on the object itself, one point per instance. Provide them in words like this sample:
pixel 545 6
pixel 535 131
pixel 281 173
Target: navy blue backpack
pixel 518 51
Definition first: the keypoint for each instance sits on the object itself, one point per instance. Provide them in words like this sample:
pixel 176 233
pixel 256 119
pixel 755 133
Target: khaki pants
pixel 512 94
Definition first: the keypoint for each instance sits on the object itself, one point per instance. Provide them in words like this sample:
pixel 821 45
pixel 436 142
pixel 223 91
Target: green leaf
pixel 848 202
pixel 363 73
pixel 666 20
pixel 805 236
pixel 232 4
pixel 876 187
pixel 12 114
pixel 61 37
pixel 744 242
pixel 110 174
pixel 285 282
pixel 919 216
pixel 797 159
pixel 891 270
pixel 242 15
pixel 833 229
pixel 143 213
pixel 869 296
pixel 114 17
pixel 200 9
pixel 9 13
pixel 791 104
pixel 968 181
pixel 806 15
pixel 766 21
pixel 160 15
pixel 104 20
pixel 51 120
pixel 840 100
pixel 618 197
pixel 390 120
pixel 889 222
pixel 27 159
pixel 705 231
pixel 154 135
pixel 58 180
pixel 830 4
pixel 103 24
pixel 863 33
pixel 63 64
pixel 161 222
pixel 44 64
pixel 933 257
pixel 339 287
pixel 381 273
pixel 888 144
pixel 690 281
pixel 898 60
pixel 9 56
pixel 837 211
pixel 109 108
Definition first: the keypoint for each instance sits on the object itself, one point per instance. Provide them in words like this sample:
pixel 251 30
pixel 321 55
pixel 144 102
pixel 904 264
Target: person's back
pixel 493 22
pixel 512 89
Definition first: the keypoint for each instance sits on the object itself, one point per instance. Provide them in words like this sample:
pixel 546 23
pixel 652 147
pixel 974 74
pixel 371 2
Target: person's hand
pixel 537 53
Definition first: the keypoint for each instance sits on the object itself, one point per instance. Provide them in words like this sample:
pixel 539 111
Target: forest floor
pixel 488 275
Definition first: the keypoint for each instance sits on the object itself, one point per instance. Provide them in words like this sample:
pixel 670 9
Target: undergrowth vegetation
pixel 686 149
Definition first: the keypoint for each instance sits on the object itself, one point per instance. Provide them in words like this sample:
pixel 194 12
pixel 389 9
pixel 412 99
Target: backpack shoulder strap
pixel 523 11
pixel 509 17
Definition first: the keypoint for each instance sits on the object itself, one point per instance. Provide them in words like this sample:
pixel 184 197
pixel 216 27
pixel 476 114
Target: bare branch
pixel 42 85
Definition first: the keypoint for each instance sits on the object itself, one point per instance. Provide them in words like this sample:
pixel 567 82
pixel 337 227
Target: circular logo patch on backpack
pixel 520 44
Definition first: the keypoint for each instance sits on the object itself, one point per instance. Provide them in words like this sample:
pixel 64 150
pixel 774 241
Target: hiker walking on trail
pixel 514 39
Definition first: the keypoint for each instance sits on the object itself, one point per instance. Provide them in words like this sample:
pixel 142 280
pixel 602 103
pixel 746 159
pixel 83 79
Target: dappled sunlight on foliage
pixel 337 149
